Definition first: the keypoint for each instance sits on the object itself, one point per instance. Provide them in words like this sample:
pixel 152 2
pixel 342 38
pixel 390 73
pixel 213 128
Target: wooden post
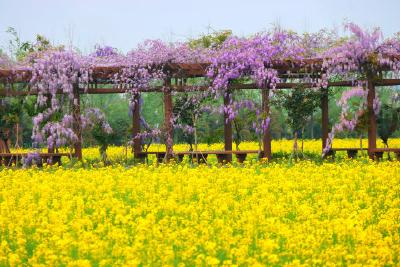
pixel 227 127
pixel 324 116
pixel 137 144
pixel 267 151
pixel 3 146
pixel 372 127
pixel 77 123
pixel 168 120
pixel 50 149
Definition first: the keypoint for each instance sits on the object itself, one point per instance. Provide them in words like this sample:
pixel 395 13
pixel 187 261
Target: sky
pixel 124 24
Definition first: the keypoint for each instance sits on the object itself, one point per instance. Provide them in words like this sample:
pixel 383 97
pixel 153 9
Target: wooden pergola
pixel 179 73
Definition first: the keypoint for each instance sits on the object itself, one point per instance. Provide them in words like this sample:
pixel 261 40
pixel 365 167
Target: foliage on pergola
pixel 268 61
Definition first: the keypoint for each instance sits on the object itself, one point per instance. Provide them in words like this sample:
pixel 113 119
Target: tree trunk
pixel 302 140
pixel 387 146
pixel 17 135
pixel 295 147
pixel 238 138
pixel 312 125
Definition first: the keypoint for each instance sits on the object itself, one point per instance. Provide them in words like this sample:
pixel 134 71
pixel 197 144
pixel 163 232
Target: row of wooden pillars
pixel 266 138
pixel 168 124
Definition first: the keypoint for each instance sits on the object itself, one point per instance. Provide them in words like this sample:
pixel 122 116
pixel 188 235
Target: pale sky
pixel 123 24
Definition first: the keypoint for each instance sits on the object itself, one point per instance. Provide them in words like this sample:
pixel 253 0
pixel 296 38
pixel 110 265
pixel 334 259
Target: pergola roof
pixel 286 68
pixel 311 67
pixel 180 70
pixel 184 70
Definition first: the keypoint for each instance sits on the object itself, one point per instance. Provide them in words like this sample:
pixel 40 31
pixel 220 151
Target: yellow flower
pixel 298 214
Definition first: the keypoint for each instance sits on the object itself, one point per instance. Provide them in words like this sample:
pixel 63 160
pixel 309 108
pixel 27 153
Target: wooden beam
pixel 266 138
pixel 185 70
pixel 372 126
pixel 51 147
pixel 227 126
pixel 168 105
pixel 324 116
pixel 185 88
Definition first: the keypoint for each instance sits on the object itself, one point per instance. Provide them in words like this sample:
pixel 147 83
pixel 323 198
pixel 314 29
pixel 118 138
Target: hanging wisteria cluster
pixel 95 117
pixel 146 66
pixel 5 61
pixel 348 120
pixel 253 58
pixel 363 55
pixel 56 73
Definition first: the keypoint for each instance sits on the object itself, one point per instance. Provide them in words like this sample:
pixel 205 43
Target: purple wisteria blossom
pixel 348 120
pixel 95 117
pixel 32 158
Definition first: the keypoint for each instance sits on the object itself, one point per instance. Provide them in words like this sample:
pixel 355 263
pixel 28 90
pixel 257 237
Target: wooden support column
pixel 4 148
pixel 372 127
pixel 168 120
pixel 227 126
pixel 324 116
pixel 267 151
pixel 52 148
pixel 137 144
pixel 77 123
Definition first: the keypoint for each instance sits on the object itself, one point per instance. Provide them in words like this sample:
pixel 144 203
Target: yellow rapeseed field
pixel 275 214
pixel 281 213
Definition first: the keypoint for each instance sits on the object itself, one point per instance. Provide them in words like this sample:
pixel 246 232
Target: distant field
pixel 280 147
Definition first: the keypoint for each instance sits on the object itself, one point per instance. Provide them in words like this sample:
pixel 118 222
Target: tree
pixel 10 110
pixel 242 123
pixel 187 110
pixel 212 40
pixel 94 121
pixel 388 122
pixel 300 103
pixel 184 111
pixel 21 49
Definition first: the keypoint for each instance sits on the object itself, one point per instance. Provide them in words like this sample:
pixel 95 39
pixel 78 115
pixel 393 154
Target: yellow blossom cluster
pixel 279 214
